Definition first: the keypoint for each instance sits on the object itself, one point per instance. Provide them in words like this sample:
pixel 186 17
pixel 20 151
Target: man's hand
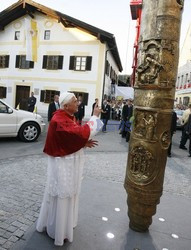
pixel 97 111
pixel 91 144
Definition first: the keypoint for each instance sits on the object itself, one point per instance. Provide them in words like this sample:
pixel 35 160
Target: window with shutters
pixel 80 63
pixel 47 96
pixel 4 61
pixel 22 63
pixel 3 92
pixel 47 35
pixel 52 62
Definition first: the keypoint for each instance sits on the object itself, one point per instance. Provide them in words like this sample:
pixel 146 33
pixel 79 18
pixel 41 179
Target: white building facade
pixel 183 83
pixel 71 56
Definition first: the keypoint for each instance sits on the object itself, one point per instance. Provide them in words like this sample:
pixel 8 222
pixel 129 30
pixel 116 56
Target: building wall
pixel 113 66
pixel 183 84
pixel 63 41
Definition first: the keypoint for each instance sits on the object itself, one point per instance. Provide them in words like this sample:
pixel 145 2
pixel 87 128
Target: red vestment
pixel 65 136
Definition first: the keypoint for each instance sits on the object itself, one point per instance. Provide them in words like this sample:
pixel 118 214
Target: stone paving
pixel 23 178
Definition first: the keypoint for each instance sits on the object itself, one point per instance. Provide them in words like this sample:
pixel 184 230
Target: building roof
pixel 23 7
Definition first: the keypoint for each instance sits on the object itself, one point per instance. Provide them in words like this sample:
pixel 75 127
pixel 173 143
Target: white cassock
pixel 59 210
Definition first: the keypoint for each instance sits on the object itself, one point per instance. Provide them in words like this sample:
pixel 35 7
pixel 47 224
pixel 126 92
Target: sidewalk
pixel 22 187
pixel 99 199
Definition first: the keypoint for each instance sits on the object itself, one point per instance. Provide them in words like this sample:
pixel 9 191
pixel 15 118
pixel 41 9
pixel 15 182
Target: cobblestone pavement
pixel 23 178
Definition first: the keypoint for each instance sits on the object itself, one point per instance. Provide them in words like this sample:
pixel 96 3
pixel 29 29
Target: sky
pixel 110 15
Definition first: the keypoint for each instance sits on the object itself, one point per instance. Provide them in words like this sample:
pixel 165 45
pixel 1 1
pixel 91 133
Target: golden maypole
pixel 153 104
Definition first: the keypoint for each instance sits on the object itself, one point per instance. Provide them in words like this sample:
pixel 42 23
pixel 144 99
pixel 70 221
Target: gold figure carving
pixel 145 124
pixel 140 166
pixel 148 71
pixel 154 100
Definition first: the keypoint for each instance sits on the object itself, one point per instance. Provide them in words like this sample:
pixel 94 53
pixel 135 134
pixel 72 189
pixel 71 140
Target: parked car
pixel 26 125
pixel 179 113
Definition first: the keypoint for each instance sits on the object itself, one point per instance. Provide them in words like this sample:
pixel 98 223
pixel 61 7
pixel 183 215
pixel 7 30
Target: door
pixel 8 120
pixel 22 96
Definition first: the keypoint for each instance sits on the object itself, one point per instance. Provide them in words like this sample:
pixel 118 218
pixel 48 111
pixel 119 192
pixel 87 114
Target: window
pixel 111 72
pixel 80 63
pixel 83 95
pixel 17 35
pixel 107 66
pixel 22 63
pixel 3 92
pixel 186 100
pixel 3 108
pixel 4 61
pixel 52 62
pixel 178 82
pixel 186 79
pixel 47 96
pixel 182 79
pixel 47 35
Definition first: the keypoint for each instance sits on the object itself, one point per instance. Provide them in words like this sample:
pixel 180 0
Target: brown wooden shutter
pixel 60 62
pixel 72 60
pixel 17 61
pixel 42 95
pixel 7 61
pixel 89 63
pixel 44 63
pixel 31 66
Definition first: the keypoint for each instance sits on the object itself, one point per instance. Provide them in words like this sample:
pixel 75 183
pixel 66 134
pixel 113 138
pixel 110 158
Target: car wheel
pixel 29 132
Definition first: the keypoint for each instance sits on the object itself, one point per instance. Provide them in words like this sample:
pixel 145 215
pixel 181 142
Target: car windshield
pixel 179 112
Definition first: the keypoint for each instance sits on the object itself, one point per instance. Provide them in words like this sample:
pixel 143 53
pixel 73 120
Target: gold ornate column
pixel 154 100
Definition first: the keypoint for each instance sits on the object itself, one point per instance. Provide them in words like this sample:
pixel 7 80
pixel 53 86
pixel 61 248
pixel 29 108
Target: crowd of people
pixel 122 110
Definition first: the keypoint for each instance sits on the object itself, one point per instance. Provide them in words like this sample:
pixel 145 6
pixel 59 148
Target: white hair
pixel 65 98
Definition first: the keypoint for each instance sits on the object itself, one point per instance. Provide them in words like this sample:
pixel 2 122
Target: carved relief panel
pixel 156 64
pixel 145 125
pixel 141 165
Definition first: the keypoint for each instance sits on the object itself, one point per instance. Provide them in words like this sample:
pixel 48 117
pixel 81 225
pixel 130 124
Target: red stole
pixel 65 136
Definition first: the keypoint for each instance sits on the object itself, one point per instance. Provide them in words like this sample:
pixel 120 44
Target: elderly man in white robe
pixel 64 146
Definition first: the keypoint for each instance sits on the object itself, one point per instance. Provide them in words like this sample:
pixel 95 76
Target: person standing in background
pixel 188 131
pixel 31 102
pixel 105 114
pixel 81 111
pixel 127 112
pixel 53 106
pixel 173 131
pixel 93 106
pixel 184 137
